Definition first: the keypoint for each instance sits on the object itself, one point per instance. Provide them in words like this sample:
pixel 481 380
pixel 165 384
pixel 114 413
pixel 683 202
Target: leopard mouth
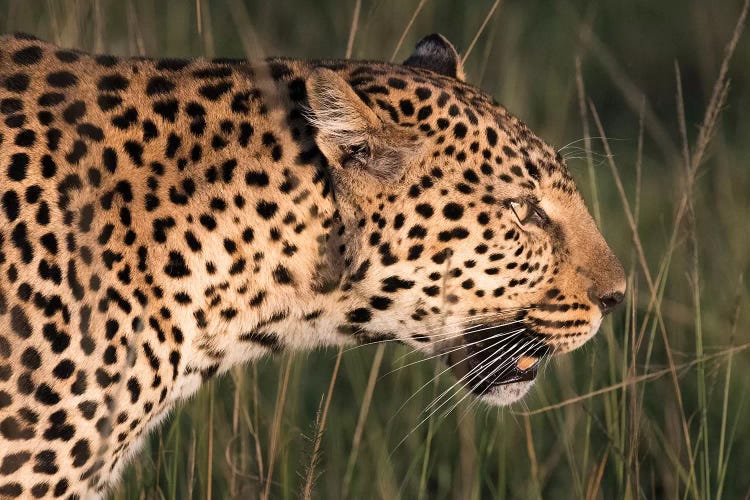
pixel 490 357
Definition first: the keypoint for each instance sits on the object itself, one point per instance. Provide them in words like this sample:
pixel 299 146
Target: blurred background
pixel 654 407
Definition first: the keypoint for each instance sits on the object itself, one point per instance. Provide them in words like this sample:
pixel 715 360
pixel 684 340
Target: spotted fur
pixel 163 220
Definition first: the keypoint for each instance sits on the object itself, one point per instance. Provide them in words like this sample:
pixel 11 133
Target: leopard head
pixel 461 233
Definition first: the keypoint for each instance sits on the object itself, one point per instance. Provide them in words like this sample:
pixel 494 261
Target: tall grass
pixel 651 98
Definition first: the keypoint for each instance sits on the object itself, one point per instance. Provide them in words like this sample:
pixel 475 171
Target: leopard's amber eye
pixel 522 210
pixel 528 211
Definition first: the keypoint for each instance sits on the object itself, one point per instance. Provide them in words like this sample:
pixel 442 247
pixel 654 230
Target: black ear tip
pixel 436 53
pixel 435 39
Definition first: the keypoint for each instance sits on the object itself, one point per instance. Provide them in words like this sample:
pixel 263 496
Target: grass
pixel 652 99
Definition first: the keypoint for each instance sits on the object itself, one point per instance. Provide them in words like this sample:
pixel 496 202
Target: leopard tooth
pixel 526 362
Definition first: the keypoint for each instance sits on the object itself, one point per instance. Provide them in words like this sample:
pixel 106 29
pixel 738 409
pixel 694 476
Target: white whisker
pixel 593 137
pixel 472 373
pixel 502 366
pixel 438 375
pixel 440 336
pixel 458 348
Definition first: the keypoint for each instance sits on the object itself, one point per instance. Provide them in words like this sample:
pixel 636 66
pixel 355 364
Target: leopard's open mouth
pixel 488 357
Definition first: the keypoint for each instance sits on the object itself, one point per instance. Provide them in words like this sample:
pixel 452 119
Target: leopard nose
pixel 607 301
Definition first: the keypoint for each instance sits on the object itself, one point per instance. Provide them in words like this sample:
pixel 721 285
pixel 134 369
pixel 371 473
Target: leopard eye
pixel 528 212
pixel 522 210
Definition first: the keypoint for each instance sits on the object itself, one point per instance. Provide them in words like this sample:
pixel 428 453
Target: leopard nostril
pixel 610 301
pixel 606 302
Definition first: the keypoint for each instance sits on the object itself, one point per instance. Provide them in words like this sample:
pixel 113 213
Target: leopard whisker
pixel 457 323
pixel 447 335
pixel 544 363
pixel 444 393
pixel 507 362
pixel 458 348
pixel 481 316
pixel 468 375
pixel 589 138
pixel 454 335
pixel 432 380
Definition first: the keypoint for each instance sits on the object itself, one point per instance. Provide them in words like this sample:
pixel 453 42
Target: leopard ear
pixel 342 119
pixel 436 53
pixel 349 134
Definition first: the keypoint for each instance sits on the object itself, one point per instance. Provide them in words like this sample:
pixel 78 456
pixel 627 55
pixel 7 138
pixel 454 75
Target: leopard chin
pixel 497 365
pixel 502 387
pixel 507 394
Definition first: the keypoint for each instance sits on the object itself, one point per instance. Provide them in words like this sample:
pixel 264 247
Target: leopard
pixel 163 220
